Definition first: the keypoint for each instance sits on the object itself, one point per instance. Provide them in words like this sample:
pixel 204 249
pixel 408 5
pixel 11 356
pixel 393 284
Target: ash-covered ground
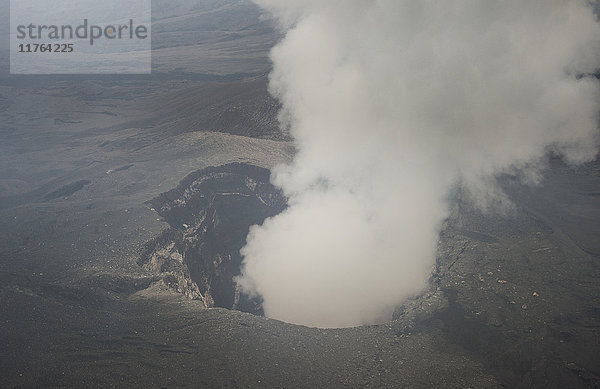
pixel 89 166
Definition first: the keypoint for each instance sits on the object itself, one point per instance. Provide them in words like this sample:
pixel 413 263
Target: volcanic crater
pixel 210 213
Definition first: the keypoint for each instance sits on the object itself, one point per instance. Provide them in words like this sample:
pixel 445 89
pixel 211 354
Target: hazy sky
pixel 392 104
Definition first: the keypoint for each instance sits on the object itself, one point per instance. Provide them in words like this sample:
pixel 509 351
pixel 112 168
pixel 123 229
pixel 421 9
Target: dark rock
pixel 67 190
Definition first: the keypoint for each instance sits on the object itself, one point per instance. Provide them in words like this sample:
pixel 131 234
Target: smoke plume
pixel 392 104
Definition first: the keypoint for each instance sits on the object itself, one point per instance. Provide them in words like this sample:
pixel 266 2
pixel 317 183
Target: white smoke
pixel 391 104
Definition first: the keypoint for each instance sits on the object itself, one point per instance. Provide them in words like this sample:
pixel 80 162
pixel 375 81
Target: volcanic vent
pixel 209 214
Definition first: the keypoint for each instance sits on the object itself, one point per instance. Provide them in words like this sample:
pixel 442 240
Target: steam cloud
pixel 392 104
